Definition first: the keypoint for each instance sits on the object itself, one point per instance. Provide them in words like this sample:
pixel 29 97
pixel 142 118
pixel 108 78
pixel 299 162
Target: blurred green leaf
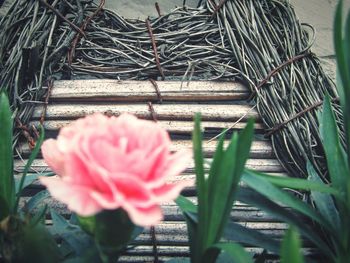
pixel 241 234
pixel 215 165
pixel 25 242
pixel 88 224
pixel 336 160
pixel 342 53
pixel 324 202
pixel 37 200
pixel 269 190
pixel 189 211
pixel 113 231
pixel 4 209
pixel 291 248
pixel 342 49
pixel 202 189
pixel 223 186
pixel 236 232
pixel 254 198
pixel 39 217
pixel 220 192
pixel 32 157
pixel 73 235
pixel 192 230
pixel 298 184
pixel 29 179
pixel 185 204
pixel 7 186
pixel 178 260
pixel 235 251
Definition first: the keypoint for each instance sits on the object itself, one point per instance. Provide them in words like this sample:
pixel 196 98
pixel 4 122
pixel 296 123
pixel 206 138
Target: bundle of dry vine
pixel 258 42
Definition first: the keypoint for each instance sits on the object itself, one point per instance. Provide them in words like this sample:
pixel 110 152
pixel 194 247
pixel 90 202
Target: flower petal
pixel 144 216
pixel 174 165
pixel 52 156
pixel 77 198
pixel 169 192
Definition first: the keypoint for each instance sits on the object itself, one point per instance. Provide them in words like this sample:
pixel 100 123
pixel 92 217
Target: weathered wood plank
pixel 263 165
pixel 259 149
pixel 210 112
pixel 176 127
pixel 243 214
pixel 137 91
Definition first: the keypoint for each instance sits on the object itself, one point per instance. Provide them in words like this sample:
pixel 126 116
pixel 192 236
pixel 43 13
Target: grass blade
pixel 235 251
pixel 240 234
pixel 202 189
pixel 186 205
pixel 336 161
pixel 224 184
pixel 291 248
pixel 298 184
pixel 324 202
pixel 7 185
pixel 269 190
pixel 32 157
pixel 251 197
pixel 341 45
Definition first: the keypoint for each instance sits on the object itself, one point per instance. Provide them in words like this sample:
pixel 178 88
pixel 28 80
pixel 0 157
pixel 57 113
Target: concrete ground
pixel 318 13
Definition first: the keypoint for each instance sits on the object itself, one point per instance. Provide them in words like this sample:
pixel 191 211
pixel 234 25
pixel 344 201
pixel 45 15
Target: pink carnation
pixel 109 163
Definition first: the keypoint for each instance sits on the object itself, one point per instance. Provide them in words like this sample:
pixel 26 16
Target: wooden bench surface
pixel 222 104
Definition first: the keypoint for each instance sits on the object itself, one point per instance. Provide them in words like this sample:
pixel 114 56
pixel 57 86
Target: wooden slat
pixel 172 212
pixel 262 165
pixel 136 91
pixel 259 149
pixel 210 112
pixel 176 127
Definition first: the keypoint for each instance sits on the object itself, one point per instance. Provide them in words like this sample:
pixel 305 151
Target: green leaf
pixel 346 105
pixel 342 52
pixel 240 234
pixel 39 217
pixel 179 260
pixel 192 230
pixel 234 231
pixel 29 179
pixel 73 235
pixel 215 164
pixel 341 44
pixel 202 189
pixel 37 200
pixel 269 190
pixel 220 192
pixel 113 231
pixel 324 202
pixel 298 184
pixel 189 211
pixel 4 209
pixel 337 166
pixel 338 38
pixel 38 244
pixel 251 197
pixel 235 251
pixel 186 205
pixel 32 157
pixel 7 186
pixel 291 248
pixel 228 170
pixel 88 224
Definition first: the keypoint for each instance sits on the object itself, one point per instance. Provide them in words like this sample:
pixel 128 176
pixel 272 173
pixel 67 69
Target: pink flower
pixel 109 163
